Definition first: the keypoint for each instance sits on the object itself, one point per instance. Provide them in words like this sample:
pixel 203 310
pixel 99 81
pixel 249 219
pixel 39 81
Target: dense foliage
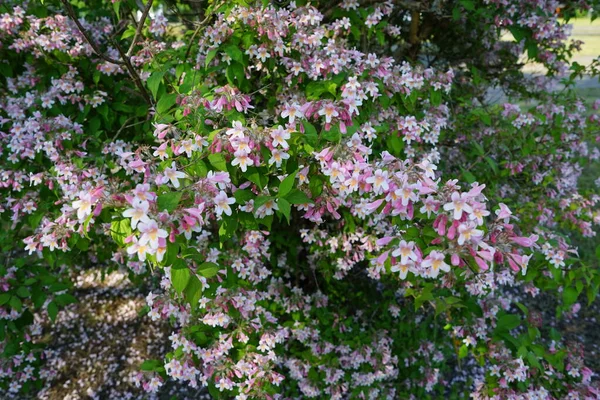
pixel 327 202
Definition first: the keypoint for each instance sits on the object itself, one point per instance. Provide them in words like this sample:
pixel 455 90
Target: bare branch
pixel 140 26
pixel 87 38
pixel 134 75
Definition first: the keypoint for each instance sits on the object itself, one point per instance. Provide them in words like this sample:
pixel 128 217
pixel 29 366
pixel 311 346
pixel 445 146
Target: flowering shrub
pixel 329 215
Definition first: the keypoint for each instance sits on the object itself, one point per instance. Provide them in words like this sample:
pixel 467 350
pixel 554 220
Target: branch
pixel 140 26
pixel 134 75
pixel 88 39
pixel 125 59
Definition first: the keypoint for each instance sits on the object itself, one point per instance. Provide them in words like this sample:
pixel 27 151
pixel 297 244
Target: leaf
pixel 167 101
pixel 208 269
pixel 285 208
pixel 52 311
pixel 168 201
pixel 242 196
pixel 154 81
pixel 209 57
pixel 151 365
pixel 4 298
pixel 23 292
pixel 469 177
pixel 507 322
pixel 316 186
pixel 468 4
pixel 65 299
pixel 463 351
pixel 287 184
pixel 235 53
pixel 518 32
pixel 256 177
pixel 298 197
pixel 569 296
pixel 119 230
pixel 180 277
pixel 217 160
pixel 310 133
pixel 193 291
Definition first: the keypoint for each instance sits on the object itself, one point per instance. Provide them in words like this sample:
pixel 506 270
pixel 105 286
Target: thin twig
pixel 125 59
pixel 134 75
pixel 140 26
pixel 88 39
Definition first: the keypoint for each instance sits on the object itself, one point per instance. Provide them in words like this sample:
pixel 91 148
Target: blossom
pixel 151 233
pixel 379 181
pixel 173 175
pixel 242 159
pixel 83 206
pixel 328 111
pixel 434 262
pixel 280 136
pixel 222 203
pixel 278 156
pixel 503 213
pixel 405 251
pixel 468 232
pixel 292 111
pixel 458 204
pixel 138 248
pixel 137 213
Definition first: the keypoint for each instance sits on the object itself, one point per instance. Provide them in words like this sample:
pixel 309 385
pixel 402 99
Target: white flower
pixel 280 136
pixel 173 175
pixel 83 206
pixel 328 111
pixel 405 251
pixel 242 159
pixel 222 203
pixel 138 248
pixel 137 213
pixel 435 262
pixel 151 233
pixel 458 204
pixel 278 156
pixel 468 232
pixel 379 181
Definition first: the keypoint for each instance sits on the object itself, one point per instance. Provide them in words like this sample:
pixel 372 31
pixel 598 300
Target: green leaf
pixel 4 298
pixel 180 277
pixel 209 57
pixel 298 197
pixel 569 296
pixel 119 230
pixel 193 291
pixel 151 365
pixel 287 184
pixel 168 201
pixel 469 177
pixel 517 32
pixel 65 299
pixel 217 160
pixel 463 351
pixel 260 200
pixel 243 196
pixel 468 4
pixel 507 322
pixel 154 81
pixel 235 53
pixel 167 101
pixel 23 292
pixel 52 310
pixel 285 208
pixel 316 186
pixel 208 269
